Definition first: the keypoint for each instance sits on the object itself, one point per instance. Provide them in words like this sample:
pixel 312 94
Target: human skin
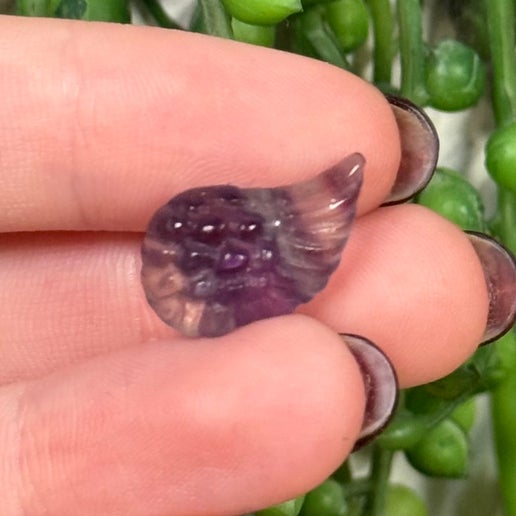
pixel 104 409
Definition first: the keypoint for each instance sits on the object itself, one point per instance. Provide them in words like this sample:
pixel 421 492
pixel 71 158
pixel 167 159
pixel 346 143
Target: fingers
pixel 412 283
pixel 68 297
pixel 185 427
pixel 92 141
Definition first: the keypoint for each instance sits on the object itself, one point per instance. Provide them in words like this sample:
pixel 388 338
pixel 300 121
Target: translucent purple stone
pixel 219 257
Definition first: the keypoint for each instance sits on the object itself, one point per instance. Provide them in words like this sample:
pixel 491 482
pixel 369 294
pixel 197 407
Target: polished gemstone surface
pixel 219 257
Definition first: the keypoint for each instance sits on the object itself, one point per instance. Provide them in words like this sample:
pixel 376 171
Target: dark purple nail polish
pixel 381 386
pixel 500 272
pixel 419 150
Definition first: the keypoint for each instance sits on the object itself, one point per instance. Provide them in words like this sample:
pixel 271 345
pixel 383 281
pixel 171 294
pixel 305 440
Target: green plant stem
pixel 503 405
pixel 354 489
pixel 500 25
pixel 380 473
pixel 383 26
pixel 412 52
pixel 359 487
pixel 211 18
pixel 343 473
pixel 503 408
pixel 507 222
pixel 315 30
pixel 441 414
pixel 160 15
pixel 32 7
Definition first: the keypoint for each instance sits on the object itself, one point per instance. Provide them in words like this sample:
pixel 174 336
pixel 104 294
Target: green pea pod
pixel 262 35
pixel 325 500
pixel 501 156
pixel 288 508
pixel 403 501
pixel 404 431
pixel 452 196
pixel 455 76
pixel 261 12
pixel 442 452
pixel 349 20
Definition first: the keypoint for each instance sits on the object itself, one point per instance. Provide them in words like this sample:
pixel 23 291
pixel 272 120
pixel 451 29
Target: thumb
pixel 187 427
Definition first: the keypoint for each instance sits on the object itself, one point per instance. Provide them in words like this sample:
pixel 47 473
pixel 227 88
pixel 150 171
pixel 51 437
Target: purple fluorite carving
pixel 219 257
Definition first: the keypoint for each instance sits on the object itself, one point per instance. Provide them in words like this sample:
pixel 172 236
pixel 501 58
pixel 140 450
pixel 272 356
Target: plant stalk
pixel 383 27
pixel 412 51
pixel 211 18
pixel 380 473
pixel 507 222
pixel 500 25
pixel 500 28
pixel 503 409
pixel 160 15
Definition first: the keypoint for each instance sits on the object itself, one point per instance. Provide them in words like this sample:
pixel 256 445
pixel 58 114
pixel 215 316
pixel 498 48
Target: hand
pixel 105 410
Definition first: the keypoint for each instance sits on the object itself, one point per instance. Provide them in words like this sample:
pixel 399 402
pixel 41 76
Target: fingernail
pixel 381 386
pixel 500 272
pixel 419 150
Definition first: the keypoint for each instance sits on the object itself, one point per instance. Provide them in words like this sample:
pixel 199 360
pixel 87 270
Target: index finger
pixel 104 123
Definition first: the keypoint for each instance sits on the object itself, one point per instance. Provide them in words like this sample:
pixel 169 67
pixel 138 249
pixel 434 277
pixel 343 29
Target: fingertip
pixel 454 309
pixel 276 405
pixel 429 314
pixel 316 390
